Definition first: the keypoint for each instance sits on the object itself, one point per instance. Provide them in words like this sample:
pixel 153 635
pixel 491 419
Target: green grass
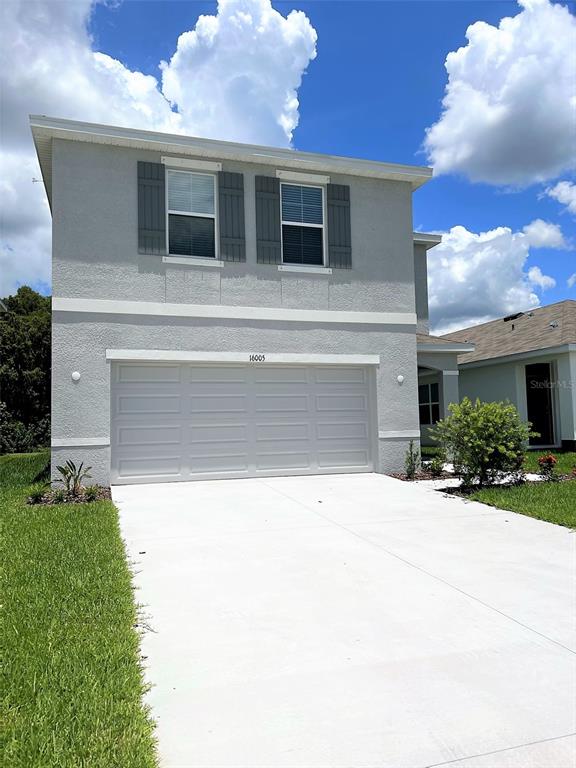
pixel 566 461
pixel 553 502
pixel 71 681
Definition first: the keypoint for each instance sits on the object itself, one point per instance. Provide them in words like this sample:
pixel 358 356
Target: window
pixel 302 224
pixel 191 214
pixel 429 403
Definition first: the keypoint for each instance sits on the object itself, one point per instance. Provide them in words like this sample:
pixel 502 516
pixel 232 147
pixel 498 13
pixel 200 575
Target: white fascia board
pixel 229 312
pixel 426 239
pixel 303 178
pixel 191 165
pixel 44 129
pixel 181 356
pixel 448 347
pixel 519 356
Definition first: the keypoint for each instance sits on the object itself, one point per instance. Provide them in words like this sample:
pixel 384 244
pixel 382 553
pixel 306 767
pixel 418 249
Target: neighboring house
pixel 226 310
pixel 529 359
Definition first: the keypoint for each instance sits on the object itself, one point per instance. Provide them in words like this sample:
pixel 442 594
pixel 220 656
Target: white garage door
pixel 183 421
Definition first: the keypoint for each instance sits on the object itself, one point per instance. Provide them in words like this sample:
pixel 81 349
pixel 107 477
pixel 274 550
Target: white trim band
pixel 191 165
pixel 390 434
pixel 178 356
pixel 450 373
pixel 229 312
pixel 450 346
pixel 302 178
pixel 193 261
pixel 309 270
pixel 79 442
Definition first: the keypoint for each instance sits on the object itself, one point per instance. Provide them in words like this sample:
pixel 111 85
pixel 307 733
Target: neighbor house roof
pixel 45 129
pixel 523 332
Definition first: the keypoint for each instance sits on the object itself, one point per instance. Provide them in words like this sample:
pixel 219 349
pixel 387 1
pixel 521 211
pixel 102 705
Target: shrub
pixel 411 461
pixel 71 476
pixel 59 496
pixel 486 441
pixel 36 496
pixel 436 466
pixel 547 466
pixel 91 492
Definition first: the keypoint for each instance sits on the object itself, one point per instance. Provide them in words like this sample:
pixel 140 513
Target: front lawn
pixel 71 678
pixel 566 461
pixel 553 502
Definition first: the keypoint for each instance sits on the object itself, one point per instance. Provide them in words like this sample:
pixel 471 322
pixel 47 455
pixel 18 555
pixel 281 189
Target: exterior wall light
pixel 400 379
pixel 76 376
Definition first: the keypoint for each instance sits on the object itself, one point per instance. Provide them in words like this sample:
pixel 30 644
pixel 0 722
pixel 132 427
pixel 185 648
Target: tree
pixel 25 336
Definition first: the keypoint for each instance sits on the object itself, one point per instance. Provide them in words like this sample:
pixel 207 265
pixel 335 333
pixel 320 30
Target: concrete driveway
pixel 352 621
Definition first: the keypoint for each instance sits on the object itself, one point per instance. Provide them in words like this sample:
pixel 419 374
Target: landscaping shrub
pixel 436 466
pixel 486 441
pixel 547 466
pixel 411 461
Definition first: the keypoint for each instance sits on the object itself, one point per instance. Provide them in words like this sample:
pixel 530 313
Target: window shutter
pixel 268 234
pixel 339 235
pixel 151 208
pixel 231 216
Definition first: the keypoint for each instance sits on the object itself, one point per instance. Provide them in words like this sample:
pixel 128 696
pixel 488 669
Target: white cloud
pixel 234 76
pixel 571 282
pixel 565 193
pixel 475 277
pixel 544 234
pixel 509 106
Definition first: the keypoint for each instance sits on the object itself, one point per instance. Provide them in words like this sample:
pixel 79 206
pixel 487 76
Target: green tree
pixel 25 336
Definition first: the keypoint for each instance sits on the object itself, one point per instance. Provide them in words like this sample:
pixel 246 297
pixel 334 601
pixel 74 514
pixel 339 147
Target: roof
pixel 45 129
pixel 426 239
pixel 427 343
pixel 530 331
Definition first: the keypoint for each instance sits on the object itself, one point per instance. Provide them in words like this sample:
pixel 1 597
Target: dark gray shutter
pixel 339 234
pixel 151 208
pixel 231 216
pixel 268 233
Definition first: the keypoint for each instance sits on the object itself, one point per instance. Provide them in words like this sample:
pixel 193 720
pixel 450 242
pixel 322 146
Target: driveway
pixel 352 621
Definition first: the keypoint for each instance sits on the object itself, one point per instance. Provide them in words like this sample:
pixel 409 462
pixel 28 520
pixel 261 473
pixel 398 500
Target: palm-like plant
pixel 71 476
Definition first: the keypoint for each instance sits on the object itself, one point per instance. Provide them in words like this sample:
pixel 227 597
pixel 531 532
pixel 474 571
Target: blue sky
pixel 376 84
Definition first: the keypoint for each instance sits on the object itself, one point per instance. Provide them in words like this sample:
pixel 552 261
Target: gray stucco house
pixel 528 358
pixel 225 310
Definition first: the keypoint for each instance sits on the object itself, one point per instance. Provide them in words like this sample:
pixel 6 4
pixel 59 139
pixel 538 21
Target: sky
pixel 484 92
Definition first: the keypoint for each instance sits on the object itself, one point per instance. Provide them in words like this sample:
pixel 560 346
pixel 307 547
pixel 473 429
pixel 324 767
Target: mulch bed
pixel 57 496
pixel 422 475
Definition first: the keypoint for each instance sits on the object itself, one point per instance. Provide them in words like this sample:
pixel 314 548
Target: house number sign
pixel 257 358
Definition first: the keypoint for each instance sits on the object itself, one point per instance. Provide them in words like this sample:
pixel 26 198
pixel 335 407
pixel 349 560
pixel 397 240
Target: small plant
pixel 486 441
pixel 91 492
pixel 71 476
pixel 436 466
pixel 59 496
pixel 547 466
pixel 412 461
pixel 36 496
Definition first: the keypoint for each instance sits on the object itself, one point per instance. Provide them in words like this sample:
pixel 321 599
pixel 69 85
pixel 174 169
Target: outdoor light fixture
pixel 400 379
pixel 76 376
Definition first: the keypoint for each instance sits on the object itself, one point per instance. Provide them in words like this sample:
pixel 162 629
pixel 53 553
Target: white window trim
pixel 310 269
pixel 191 165
pixel 302 178
pixel 207 259
pixel 322 226
pixel 430 402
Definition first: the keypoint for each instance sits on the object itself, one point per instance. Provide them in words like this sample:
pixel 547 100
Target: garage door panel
pixel 187 421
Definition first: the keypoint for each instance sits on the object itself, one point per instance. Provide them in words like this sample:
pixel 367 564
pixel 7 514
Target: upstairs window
pixel 302 224
pixel 191 214
pixel 429 403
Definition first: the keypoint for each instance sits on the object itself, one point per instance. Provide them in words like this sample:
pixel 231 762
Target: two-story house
pixel 225 310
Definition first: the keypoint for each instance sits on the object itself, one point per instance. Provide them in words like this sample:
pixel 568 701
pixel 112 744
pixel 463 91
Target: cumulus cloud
pixel 509 105
pixel 235 76
pixel 476 277
pixel 544 234
pixel 565 193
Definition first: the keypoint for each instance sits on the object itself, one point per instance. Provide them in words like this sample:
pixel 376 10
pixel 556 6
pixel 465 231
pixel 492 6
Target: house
pixel 225 310
pixel 528 358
